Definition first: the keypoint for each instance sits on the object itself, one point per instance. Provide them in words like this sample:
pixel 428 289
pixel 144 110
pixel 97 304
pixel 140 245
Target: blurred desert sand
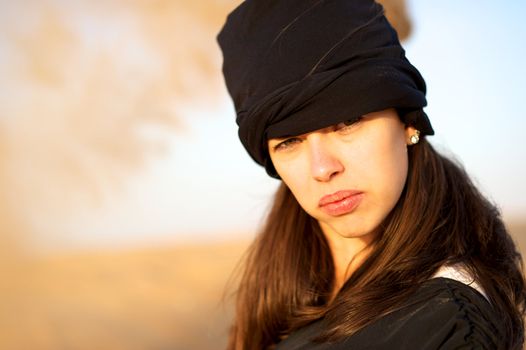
pixel 165 298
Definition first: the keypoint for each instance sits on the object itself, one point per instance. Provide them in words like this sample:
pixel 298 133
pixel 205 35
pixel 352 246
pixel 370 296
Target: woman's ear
pixel 412 135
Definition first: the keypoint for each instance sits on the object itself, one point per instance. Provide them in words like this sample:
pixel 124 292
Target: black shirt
pixel 447 314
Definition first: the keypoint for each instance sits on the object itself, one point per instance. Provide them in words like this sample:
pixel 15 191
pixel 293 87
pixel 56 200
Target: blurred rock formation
pixel 396 12
pixel 89 88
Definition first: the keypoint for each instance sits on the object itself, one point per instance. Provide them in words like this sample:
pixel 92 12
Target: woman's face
pixel 348 177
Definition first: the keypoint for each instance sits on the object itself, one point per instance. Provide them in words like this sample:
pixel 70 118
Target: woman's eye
pixel 286 144
pixel 347 126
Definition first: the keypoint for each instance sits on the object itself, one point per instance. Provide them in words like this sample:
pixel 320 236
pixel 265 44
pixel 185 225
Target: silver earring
pixel 415 137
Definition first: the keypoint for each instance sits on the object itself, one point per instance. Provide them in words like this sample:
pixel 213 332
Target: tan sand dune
pixel 164 298
pixel 167 298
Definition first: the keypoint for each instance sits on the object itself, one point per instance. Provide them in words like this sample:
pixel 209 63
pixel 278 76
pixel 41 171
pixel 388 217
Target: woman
pixel 374 240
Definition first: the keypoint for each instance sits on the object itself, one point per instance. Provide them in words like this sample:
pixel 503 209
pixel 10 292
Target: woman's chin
pixel 347 228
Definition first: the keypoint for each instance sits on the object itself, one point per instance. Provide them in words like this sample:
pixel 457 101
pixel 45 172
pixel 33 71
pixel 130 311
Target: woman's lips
pixel 341 202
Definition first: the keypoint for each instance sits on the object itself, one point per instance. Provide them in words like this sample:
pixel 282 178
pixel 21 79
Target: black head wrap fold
pixel 295 66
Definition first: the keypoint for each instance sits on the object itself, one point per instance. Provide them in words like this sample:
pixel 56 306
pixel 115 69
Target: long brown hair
pixel 440 218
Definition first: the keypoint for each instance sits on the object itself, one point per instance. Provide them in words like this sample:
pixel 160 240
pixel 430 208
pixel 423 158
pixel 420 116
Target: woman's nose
pixel 325 163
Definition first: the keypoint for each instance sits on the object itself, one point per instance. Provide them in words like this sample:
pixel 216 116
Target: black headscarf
pixel 295 66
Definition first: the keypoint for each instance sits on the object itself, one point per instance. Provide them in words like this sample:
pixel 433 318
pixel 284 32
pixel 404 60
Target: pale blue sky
pixel 473 60
pixel 472 57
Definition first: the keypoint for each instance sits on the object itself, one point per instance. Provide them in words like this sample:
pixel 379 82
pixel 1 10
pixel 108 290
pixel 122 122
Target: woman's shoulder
pixel 443 314
pixel 446 313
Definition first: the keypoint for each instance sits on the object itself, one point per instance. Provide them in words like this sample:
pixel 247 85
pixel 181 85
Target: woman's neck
pixel 348 254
